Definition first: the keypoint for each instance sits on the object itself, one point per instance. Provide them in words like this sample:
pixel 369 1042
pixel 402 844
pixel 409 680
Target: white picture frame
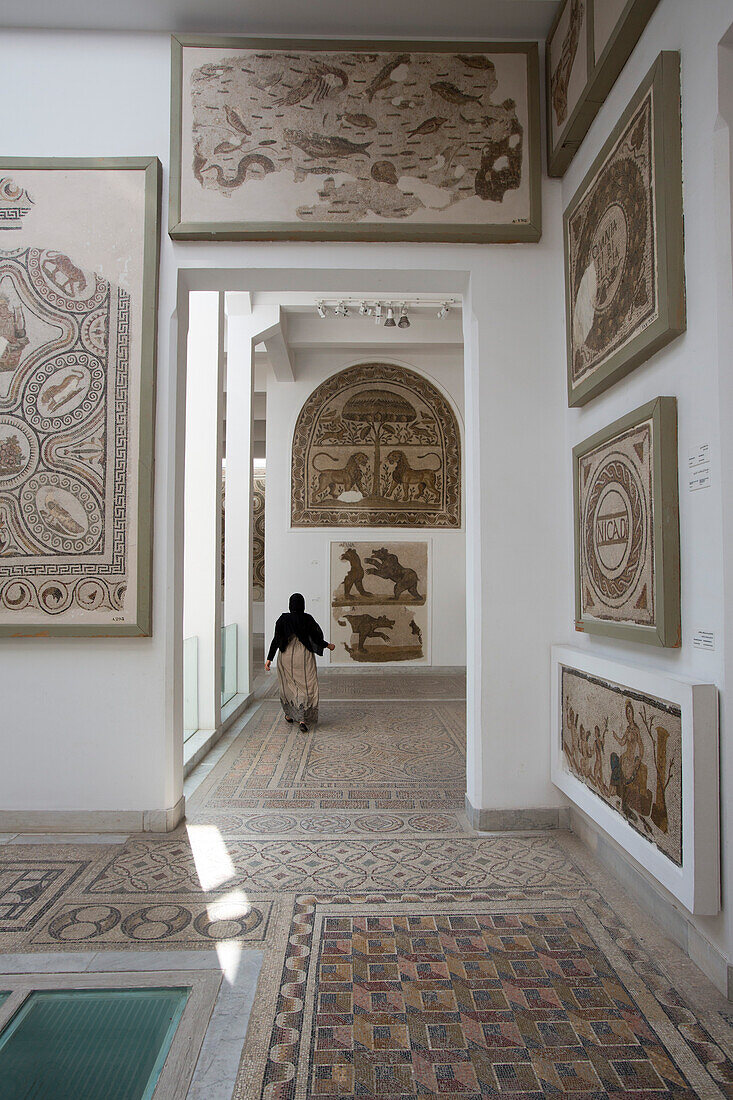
pixel 696 883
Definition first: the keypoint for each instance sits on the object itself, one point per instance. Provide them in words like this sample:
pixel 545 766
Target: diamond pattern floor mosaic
pixel 405 955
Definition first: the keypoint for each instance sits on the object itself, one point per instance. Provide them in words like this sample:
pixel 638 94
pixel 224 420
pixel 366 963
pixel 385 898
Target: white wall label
pixel 703 639
pixel 698 468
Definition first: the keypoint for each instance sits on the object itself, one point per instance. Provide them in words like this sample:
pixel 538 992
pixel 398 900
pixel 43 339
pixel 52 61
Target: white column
pixel 238 520
pixel 202 501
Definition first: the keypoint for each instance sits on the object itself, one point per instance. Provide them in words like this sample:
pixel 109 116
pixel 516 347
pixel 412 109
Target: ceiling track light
pixel 322 311
pixel 404 321
pixel 443 311
pixel 364 309
pixel 378 313
pixel 341 310
pixel 389 320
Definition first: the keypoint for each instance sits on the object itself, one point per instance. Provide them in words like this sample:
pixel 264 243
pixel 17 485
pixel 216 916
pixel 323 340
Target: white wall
pixel 297 560
pixel 688 369
pixel 97 725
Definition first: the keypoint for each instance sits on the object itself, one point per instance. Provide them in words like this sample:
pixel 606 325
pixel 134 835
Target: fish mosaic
pixel 343 136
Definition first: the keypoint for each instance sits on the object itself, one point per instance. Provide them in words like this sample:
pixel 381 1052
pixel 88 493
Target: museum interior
pixel 366 549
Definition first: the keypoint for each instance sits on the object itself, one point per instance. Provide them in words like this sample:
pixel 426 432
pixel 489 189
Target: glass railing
pixel 190 687
pixel 228 662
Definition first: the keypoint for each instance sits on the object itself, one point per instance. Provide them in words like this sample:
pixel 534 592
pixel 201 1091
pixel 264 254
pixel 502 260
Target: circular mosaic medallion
pixel 61 513
pixel 431 823
pixel 615 529
pixel 64 391
pixel 379 823
pixel 16 595
pixel 86 922
pixel 218 923
pixel 64 285
pixel 271 823
pixel 19 452
pixel 54 596
pixel 90 594
pixel 156 922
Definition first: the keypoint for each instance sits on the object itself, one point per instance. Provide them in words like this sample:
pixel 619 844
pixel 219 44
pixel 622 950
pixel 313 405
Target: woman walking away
pixel 298 637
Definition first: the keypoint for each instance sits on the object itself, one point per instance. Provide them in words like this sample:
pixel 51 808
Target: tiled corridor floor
pixel 404 954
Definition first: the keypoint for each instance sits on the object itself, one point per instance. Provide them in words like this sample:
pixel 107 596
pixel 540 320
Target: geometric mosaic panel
pixel 462 1001
pixel 28 887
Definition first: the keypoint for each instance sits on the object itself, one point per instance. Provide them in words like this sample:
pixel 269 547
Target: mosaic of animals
pixel 398 480
pixel 410 131
pixel 593 756
pixel 368 626
pixel 381 563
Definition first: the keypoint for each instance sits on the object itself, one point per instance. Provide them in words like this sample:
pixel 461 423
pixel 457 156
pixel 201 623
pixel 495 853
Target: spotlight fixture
pixel 378 313
pixel 443 311
pixel 404 321
pixel 341 310
pixel 322 311
pixel 365 310
pixel 390 321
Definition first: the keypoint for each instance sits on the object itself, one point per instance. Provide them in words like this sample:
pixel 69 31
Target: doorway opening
pixel 268 353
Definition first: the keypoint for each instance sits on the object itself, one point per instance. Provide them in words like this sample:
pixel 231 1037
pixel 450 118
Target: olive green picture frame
pixel 151 167
pixel 671 321
pixel 602 75
pixel 667 630
pixel 520 232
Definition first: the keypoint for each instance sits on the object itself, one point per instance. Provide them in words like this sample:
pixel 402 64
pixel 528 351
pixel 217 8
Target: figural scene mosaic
pixel 379 602
pixel 376 445
pixel 75 411
pixel 626 747
pixel 390 142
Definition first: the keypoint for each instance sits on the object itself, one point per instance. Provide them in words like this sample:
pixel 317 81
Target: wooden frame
pixel 602 73
pixel 667 314
pixel 529 230
pixel 696 883
pixel 151 167
pixel 664 628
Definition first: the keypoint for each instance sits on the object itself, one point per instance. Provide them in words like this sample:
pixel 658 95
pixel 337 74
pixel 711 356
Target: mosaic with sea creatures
pixel 346 137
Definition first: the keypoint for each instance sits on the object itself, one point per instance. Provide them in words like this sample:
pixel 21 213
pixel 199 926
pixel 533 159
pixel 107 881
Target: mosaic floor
pixel 405 955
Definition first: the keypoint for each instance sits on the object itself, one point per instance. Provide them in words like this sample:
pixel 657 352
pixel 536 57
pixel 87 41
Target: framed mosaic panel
pixel 78 298
pixel 637 752
pixel 276 139
pixel 258 532
pixel 568 68
pixel 627 556
pixel 588 45
pixel 380 602
pixel 376 445
pixel 624 251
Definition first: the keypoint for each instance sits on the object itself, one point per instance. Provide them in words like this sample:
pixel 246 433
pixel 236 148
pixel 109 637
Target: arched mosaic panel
pixel 376 445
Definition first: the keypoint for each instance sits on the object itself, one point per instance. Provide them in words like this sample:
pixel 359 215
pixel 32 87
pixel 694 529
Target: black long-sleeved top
pixel 304 627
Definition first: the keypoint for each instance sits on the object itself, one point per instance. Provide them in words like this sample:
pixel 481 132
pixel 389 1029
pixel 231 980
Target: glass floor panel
pixel 107 1044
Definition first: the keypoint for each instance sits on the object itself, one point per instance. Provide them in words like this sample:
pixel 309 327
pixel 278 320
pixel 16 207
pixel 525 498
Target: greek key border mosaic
pixel 77 339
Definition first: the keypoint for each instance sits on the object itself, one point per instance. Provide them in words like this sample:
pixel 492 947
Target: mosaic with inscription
pixel 376 445
pixel 613 278
pixel 627 747
pixel 616 523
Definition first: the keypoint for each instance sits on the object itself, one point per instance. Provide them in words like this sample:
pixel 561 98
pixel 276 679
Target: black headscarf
pixel 297 622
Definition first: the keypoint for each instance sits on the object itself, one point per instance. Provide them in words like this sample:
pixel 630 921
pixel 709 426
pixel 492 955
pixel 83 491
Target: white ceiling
pixel 373 19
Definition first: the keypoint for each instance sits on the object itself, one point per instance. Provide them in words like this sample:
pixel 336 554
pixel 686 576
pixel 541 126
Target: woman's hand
pixel 330 645
pixel 267 665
